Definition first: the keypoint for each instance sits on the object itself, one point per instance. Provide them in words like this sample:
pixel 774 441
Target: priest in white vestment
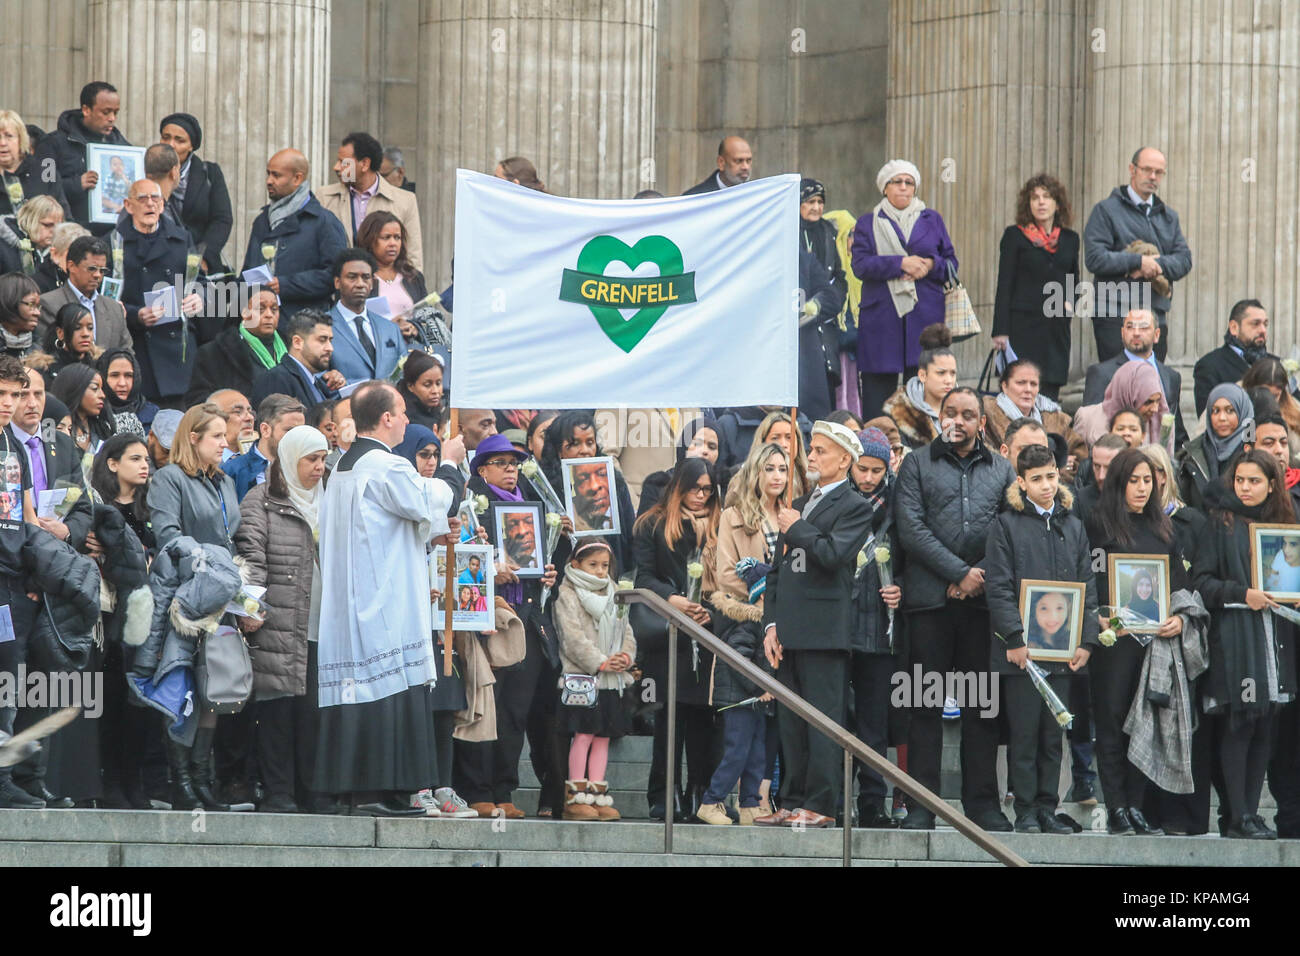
pixel 377 662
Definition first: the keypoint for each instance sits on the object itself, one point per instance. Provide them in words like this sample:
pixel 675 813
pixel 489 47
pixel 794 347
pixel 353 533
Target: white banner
pixel 649 303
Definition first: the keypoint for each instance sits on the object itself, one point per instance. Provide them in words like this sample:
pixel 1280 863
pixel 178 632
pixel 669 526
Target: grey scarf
pixel 286 206
pixel 1041 404
pixel 21 342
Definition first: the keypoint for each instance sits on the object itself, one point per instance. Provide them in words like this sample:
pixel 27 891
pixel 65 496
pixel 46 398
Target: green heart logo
pixel 606 295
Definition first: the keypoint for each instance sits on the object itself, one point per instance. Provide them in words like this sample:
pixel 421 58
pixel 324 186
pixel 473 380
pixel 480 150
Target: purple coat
pixel 883 344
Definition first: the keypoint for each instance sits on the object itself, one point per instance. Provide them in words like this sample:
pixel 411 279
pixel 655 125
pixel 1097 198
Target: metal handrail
pixel 850 744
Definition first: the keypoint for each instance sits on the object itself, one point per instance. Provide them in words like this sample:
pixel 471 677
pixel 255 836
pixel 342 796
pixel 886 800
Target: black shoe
pixel 112 799
pixel 178 761
pixel 991 821
pixel 1028 823
pixel 1119 823
pixel 1083 793
pixel 278 803
pixel 386 808
pixel 51 801
pixel 875 818
pixel 201 770
pixel 657 812
pixel 1049 823
pixel 1250 828
pixel 1259 821
pixel 918 818
pixel 14 797
pixel 1140 825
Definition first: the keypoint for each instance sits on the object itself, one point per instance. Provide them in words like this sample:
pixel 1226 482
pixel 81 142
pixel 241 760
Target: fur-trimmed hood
pixel 915 427
pixel 1016 499
pixel 735 609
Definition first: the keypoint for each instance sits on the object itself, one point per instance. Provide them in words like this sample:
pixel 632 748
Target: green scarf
pixel 259 349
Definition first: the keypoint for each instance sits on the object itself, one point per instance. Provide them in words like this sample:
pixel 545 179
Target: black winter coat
pixel 943 512
pixel 206 212
pixel 663 570
pixel 809 594
pixel 308 242
pixel 870 632
pixel 730 687
pixel 67 147
pixel 1145 541
pixel 1022 544
pixel 125 567
pixel 68 582
pixel 166 352
pixel 29 174
pixel 1026 274
pixel 225 362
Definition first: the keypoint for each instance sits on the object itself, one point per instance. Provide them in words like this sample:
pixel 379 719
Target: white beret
pixel 892 169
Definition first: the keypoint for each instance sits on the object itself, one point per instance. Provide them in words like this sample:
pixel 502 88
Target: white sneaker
pixel 452 805
pixel 426 801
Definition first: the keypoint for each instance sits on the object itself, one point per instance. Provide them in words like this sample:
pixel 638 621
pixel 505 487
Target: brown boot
pixel 604 802
pixel 578 803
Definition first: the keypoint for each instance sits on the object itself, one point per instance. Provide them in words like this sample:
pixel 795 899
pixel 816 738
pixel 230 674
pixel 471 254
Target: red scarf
pixel 1043 240
pixel 1292 476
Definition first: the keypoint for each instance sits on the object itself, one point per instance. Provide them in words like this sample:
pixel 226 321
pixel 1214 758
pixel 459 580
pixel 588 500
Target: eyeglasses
pixel 705 490
pixel 93 270
pixel 911 184
pixel 150 199
pixel 1151 171
pixel 510 463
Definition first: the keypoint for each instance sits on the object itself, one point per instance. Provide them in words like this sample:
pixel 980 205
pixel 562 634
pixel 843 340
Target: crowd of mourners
pixel 255 454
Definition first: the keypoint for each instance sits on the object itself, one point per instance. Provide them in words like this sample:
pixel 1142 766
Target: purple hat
pixel 874 444
pixel 493 445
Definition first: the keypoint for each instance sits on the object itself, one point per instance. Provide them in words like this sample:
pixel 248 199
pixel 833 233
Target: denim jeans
pixel 744 756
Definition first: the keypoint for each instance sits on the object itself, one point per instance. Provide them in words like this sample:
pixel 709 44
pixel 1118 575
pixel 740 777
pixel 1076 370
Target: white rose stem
pixel 449 583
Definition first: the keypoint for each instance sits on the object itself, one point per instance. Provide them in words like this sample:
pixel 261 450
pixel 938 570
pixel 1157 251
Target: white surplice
pixel 376 621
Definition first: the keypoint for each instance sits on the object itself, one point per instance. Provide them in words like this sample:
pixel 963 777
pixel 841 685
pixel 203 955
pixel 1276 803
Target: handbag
pixel 986 386
pixel 224 671
pixel 958 313
pixel 578 690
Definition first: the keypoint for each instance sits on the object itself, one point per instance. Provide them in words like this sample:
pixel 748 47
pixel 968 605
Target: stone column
pixel 43 49
pixel 1218 96
pixel 567 83
pixel 981 97
pixel 254 72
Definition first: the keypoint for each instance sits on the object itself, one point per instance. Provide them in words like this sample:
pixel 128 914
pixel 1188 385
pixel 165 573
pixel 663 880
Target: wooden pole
pixel 449 581
pixel 796 442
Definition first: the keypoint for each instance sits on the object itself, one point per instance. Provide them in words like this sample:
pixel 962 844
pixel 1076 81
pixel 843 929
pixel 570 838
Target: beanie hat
pixel 874 444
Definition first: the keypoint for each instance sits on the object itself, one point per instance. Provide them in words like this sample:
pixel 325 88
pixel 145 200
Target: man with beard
pixel 521 538
pixel 1244 344
pixel 591 497
pixel 947 496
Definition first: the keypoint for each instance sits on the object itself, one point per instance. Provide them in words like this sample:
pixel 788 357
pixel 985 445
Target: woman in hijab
pixel 421 448
pixel 902 254
pixel 1229 417
pixel 277 538
pixel 200 200
pixel 130 410
pixel 1136 385
pixel 81 389
pixel 700 438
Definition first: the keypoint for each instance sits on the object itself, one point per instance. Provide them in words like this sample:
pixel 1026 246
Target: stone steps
pixel 103 838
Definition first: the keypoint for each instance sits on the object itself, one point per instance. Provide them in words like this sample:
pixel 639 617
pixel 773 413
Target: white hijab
pixel 297 443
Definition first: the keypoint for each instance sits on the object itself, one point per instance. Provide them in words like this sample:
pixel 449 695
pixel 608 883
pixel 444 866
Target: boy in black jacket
pixel 1036 537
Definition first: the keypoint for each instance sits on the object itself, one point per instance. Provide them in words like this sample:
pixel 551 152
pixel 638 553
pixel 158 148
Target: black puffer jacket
pixel 69 584
pixel 125 567
pixel 729 687
pixel 1023 544
pixel 943 512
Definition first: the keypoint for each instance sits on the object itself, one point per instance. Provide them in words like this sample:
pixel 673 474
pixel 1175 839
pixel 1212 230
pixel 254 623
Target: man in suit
pixel 305 237
pixel 807 614
pixel 366 345
pixel 735 164
pixel 276 414
pixel 1140 333
pixel 87 264
pixel 361 190
pixel 1244 344
pixel 304 373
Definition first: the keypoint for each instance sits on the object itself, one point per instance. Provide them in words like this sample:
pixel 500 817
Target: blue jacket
pixel 245 469
pixel 307 243
pixel 351 359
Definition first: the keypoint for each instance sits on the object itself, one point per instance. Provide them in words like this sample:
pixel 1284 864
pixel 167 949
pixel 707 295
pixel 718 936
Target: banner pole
pixel 449 581
pixel 796 442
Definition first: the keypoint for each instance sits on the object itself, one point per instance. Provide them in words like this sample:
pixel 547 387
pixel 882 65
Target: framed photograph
pixel 1052 612
pixel 118 168
pixel 1275 560
pixel 589 495
pixel 111 288
pixel 475 590
pixel 519 528
pixel 1139 590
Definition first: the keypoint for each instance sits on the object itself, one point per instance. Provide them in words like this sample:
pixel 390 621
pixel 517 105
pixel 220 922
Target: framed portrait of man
pixel 118 167
pixel 518 529
pixel 589 495
pixel 1052 613
pixel 1275 560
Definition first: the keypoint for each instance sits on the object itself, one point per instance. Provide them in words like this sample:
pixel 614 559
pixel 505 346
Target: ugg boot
pixel 578 803
pixel 749 814
pixel 201 769
pixel 604 802
pixel 178 762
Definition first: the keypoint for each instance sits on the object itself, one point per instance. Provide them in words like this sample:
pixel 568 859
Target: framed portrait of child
pixel 1275 560
pixel 1052 613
